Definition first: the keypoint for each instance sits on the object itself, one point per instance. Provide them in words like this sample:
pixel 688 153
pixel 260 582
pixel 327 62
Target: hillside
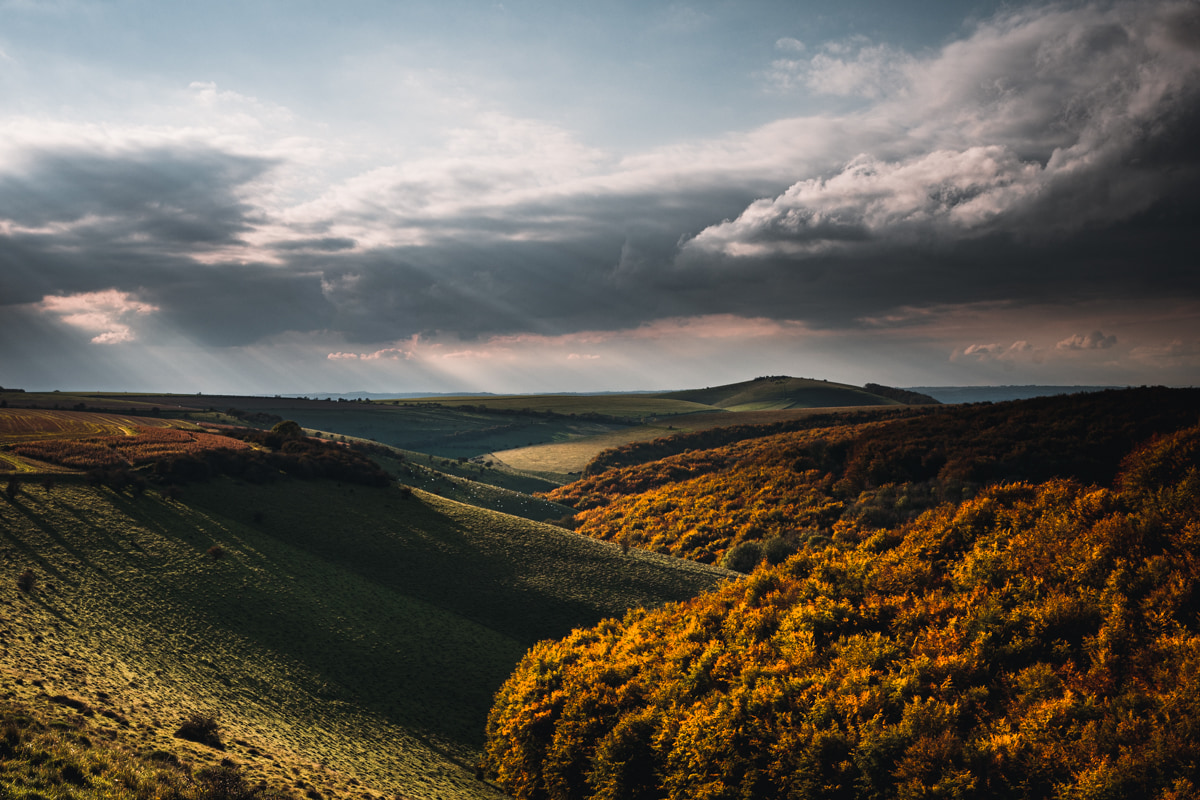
pixel 1034 641
pixel 852 477
pixel 349 638
pixel 767 393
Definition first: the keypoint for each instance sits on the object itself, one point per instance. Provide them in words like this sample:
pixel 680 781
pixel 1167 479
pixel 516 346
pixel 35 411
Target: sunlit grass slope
pixel 349 638
pixel 565 458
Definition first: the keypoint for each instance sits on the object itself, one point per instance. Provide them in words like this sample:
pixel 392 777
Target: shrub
pixel 288 429
pixel 743 557
pixel 777 550
pixel 202 729
pixel 26 581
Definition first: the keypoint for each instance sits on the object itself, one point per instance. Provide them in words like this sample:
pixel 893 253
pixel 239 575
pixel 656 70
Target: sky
pixel 266 197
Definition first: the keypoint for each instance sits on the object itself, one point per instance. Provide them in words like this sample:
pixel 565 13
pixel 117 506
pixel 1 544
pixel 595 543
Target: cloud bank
pixel 1045 159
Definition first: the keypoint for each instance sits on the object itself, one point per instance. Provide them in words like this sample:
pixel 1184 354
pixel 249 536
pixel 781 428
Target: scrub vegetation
pixel 844 481
pixel 1028 639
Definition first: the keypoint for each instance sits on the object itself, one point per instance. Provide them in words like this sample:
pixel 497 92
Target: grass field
pixel 564 460
pixel 24 425
pixel 441 432
pixel 637 406
pixel 350 638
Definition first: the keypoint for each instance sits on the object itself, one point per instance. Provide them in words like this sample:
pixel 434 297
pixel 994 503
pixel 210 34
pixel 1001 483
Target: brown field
pixel 29 424
pixel 564 458
pixel 37 440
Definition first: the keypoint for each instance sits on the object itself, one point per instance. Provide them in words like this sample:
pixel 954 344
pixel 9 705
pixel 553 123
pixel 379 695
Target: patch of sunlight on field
pixel 566 458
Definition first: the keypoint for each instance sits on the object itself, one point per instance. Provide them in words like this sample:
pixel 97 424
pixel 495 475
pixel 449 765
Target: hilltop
pixel 781 392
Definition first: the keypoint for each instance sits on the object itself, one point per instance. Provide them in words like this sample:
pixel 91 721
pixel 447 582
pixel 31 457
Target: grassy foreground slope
pixel 349 638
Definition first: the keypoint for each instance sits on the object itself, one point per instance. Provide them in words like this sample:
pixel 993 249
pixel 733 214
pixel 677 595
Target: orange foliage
pixel 847 481
pixel 147 445
pixel 1034 641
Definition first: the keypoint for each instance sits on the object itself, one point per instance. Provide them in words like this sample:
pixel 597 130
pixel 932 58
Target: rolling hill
pixel 349 639
pixel 780 392
pixel 840 477
pixel 1033 641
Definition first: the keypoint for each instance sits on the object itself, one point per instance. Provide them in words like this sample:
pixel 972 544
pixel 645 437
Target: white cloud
pixel 944 192
pixel 1005 353
pixel 107 313
pixel 1003 131
pixel 855 68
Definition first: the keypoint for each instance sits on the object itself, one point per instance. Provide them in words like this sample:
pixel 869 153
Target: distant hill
pixel 781 392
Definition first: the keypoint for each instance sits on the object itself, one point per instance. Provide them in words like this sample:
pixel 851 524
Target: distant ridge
pixel 998 394
pixel 774 392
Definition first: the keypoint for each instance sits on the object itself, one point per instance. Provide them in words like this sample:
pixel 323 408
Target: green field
pixel 470 426
pixel 563 461
pixel 439 431
pixel 348 638
pixel 636 406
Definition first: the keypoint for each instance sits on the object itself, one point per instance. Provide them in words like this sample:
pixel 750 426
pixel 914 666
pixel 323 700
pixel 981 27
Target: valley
pixel 361 619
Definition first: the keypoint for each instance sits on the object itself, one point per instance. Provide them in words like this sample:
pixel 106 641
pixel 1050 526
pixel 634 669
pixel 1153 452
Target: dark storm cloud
pixel 176 196
pixel 326 244
pixel 79 222
pixel 1050 155
pixel 1055 167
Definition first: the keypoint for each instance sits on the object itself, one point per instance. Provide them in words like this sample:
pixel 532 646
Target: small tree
pixel 26 581
pixel 743 557
pixel 288 429
pixel 200 728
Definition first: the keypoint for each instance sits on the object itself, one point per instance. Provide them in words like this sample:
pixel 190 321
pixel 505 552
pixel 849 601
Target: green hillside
pixel 764 394
pixel 624 406
pixel 349 639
